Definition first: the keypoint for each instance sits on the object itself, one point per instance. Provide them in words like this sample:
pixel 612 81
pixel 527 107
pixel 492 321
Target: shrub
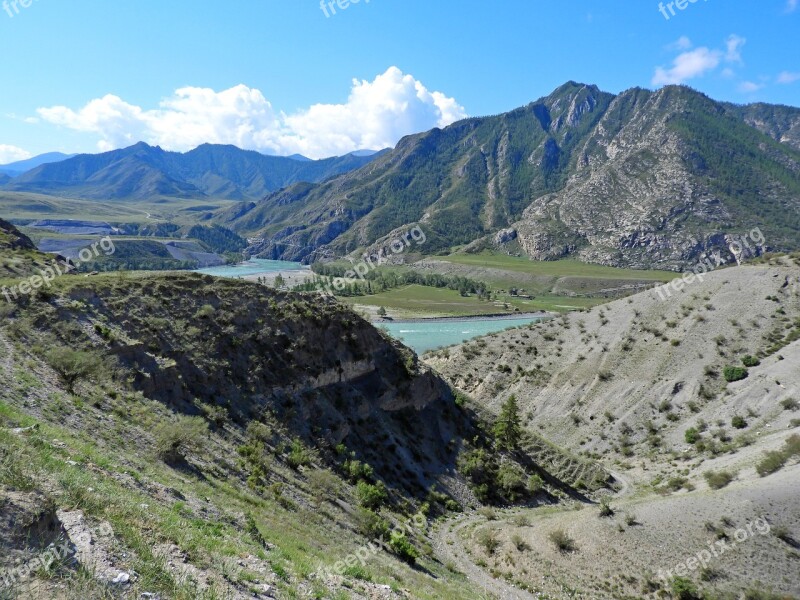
pixel 718 479
pixel 487 513
pixel 177 437
pixel 324 485
pixel 299 455
pixel 732 374
pixel 520 544
pixel 400 545
pixel 488 539
pixel 73 365
pixel 773 461
pixel 792 447
pixel 692 436
pixel 356 470
pixel 563 542
pixel 371 496
pixel 790 404
pixel 521 521
pixel 605 509
pixel 371 525
pixel 511 480
pixel 685 589
pixel 739 422
pixel 535 484
pixel 750 361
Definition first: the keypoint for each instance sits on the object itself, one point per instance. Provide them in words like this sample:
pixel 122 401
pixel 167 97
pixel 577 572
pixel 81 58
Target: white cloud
pixel 748 87
pixel 688 65
pixel 788 77
pixel 682 43
pixel 734 45
pixel 791 6
pixel 10 154
pixel 376 115
pixel 696 63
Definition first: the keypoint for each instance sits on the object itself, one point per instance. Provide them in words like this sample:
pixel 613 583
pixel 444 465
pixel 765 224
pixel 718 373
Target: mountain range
pixel 638 179
pixel 21 166
pixel 145 172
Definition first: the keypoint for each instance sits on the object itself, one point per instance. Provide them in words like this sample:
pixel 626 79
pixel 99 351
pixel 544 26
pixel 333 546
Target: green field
pixel 419 301
pixel 555 268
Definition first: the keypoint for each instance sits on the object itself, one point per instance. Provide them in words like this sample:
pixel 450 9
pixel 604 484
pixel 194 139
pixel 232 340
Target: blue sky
pixel 278 75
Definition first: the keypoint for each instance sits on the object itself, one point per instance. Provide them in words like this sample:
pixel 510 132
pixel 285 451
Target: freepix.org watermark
pixel 55 554
pixel 329 6
pixel 737 249
pixel 668 9
pixel 47 275
pixel 371 261
pixel 12 6
pixel 362 555
pixel 716 549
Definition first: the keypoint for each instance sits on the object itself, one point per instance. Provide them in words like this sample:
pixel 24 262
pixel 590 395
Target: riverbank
pixel 468 318
pixel 424 335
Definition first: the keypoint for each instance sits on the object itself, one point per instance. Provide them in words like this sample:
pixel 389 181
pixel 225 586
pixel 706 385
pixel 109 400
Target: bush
pixel 324 485
pixel 520 544
pixel 692 436
pixel 299 455
pixel 400 545
pixel 371 525
pixel 535 484
pixel 487 512
pixel 371 496
pixel 562 541
pixel 605 509
pixel 356 470
pixel 739 422
pixel 718 479
pixel 511 480
pixel 176 438
pixel 773 461
pixel 73 365
pixel 732 374
pixel 488 539
pixel 790 404
pixel 685 589
pixel 750 361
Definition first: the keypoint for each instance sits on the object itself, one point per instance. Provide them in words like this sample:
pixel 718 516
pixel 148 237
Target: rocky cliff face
pixel 328 375
pixel 642 179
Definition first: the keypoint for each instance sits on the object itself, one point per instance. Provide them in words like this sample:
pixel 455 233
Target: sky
pixel 300 76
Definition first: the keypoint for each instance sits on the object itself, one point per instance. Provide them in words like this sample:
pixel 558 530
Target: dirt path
pixel 449 548
pixel 625 490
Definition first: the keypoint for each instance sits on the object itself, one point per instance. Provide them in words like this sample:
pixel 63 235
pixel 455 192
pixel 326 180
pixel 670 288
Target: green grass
pixel 557 268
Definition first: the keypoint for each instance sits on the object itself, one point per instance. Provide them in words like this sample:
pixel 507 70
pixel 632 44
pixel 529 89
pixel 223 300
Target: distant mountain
pixel 144 172
pixel 643 178
pixel 21 166
pixel 4 178
pixel 364 152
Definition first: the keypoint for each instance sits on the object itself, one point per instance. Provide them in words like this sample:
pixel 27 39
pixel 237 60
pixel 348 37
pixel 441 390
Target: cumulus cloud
pixel 698 62
pixel 376 115
pixel 787 77
pixel 688 65
pixel 10 154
